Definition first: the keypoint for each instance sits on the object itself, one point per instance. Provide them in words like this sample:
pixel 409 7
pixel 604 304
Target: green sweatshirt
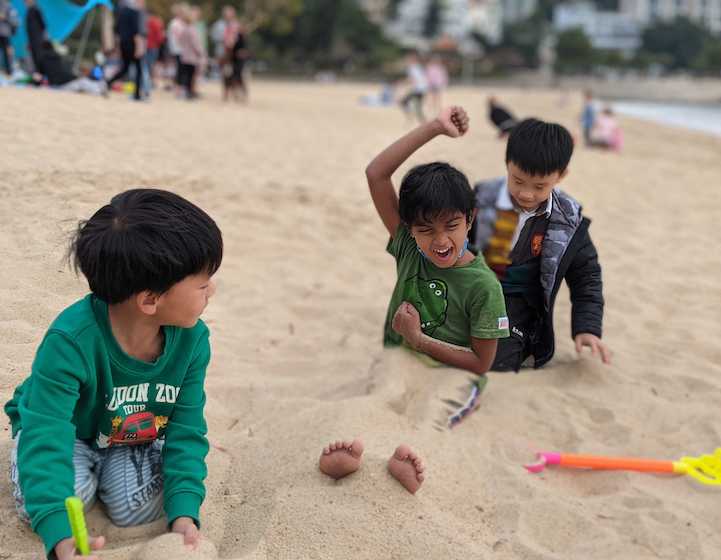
pixel 84 386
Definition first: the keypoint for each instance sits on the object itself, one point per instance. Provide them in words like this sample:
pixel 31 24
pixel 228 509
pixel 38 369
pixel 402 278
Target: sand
pixel 296 328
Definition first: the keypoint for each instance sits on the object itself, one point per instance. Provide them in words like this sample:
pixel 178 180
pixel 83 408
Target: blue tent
pixel 61 17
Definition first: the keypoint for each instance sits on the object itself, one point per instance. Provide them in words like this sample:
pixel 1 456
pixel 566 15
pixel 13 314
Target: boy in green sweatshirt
pixel 113 407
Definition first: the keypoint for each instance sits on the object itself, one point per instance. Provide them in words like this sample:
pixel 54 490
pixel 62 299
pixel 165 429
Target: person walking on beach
pixel 37 32
pixel 217 34
pixel 588 116
pixel 130 36
pixel 8 26
pixel 156 38
pixel 191 53
pixel 437 76
pixel 417 84
pixel 175 29
pixel 237 55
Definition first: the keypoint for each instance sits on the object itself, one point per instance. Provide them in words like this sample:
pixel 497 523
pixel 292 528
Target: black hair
pixel 429 190
pixel 539 148
pixel 145 239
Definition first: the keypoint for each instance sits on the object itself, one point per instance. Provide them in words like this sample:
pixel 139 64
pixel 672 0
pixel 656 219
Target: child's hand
pixel 597 347
pixel 407 323
pixel 454 121
pixel 186 527
pixel 65 549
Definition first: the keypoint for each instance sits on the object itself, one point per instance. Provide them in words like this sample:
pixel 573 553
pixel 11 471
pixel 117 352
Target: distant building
pixel 518 10
pixel 606 30
pixel 460 18
pixel 704 12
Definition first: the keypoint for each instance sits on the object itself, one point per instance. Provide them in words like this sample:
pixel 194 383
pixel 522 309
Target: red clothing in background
pixel 156 32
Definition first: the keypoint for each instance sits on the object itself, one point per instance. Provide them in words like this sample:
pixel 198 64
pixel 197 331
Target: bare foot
pixel 341 458
pixel 407 468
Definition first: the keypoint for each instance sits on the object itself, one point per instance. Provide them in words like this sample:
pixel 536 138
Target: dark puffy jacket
pixel 567 252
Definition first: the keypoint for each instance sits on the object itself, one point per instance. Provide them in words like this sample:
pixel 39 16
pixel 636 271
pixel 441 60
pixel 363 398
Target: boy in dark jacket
pixel 533 236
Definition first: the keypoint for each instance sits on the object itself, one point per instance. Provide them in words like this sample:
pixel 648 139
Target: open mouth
pixel 443 253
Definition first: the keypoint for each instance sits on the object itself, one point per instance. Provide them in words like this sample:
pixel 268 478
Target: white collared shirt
pixel 504 202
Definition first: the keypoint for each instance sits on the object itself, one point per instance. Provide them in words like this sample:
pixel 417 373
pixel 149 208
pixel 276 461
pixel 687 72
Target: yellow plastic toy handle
pixel 76 516
pixel 705 469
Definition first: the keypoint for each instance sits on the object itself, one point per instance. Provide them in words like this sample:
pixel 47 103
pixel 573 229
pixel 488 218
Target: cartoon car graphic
pixel 137 428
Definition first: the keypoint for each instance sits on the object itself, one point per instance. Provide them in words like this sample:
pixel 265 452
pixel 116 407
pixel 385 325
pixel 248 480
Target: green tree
pixel 524 38
pixel 682 40
pixel 392 8
pixel 328 34
pixel 433 20
pixel 709 60
pixel 574 52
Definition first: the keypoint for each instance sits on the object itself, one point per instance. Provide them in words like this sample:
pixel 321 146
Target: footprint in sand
pixel 601 415
pixel 171 546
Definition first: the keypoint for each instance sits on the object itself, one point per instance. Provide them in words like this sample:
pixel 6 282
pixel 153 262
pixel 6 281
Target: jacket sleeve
pixel 186 444
pixel 45 447
pixel 584 282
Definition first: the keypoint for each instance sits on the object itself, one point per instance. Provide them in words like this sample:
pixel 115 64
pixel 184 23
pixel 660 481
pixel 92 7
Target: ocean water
pixel 704 118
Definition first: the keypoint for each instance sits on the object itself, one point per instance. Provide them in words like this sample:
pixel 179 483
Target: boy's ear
pixel 147 302
pixel 473 218
pixel 563 175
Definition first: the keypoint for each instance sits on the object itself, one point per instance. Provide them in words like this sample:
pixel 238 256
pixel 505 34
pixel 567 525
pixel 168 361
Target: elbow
pixel 371 173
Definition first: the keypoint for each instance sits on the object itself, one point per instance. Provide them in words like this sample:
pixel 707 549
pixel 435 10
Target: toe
pixel 326 450
pixel 420 477
pixel 402 452
pixel 357 447
pixel 347 444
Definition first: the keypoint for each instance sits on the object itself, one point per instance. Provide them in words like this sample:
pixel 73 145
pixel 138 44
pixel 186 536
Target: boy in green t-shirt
pixel 446 303
pixel 113 408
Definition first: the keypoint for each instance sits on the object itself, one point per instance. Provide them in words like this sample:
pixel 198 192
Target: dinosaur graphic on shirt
pixel 430 298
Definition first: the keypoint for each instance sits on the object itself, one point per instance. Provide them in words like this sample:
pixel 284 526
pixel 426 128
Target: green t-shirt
pixel 455 303
pixel 84 386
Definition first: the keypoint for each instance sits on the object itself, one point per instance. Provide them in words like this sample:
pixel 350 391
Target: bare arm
pixel 453 122
pixel 477 359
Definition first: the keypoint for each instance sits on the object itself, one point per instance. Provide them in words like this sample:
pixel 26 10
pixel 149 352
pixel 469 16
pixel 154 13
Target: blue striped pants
pixel 127 479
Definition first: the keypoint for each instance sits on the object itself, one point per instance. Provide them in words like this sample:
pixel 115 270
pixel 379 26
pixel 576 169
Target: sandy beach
pixel 297 322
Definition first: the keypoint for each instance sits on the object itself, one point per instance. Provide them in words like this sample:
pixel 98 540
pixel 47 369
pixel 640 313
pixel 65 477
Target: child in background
pixel 447 303
pixel 417 84
pixel 533 236
pixel 588 116
pixel 501 117
pixel 606 132
pixel 192 54
pixel 437 76
pixel 113 408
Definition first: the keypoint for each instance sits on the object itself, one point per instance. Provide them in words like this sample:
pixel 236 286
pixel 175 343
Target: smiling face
pixel 184 302
pixel 442 238
pixel 530 191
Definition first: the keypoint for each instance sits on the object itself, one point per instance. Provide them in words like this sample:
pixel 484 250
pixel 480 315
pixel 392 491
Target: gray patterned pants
pixel 126 478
